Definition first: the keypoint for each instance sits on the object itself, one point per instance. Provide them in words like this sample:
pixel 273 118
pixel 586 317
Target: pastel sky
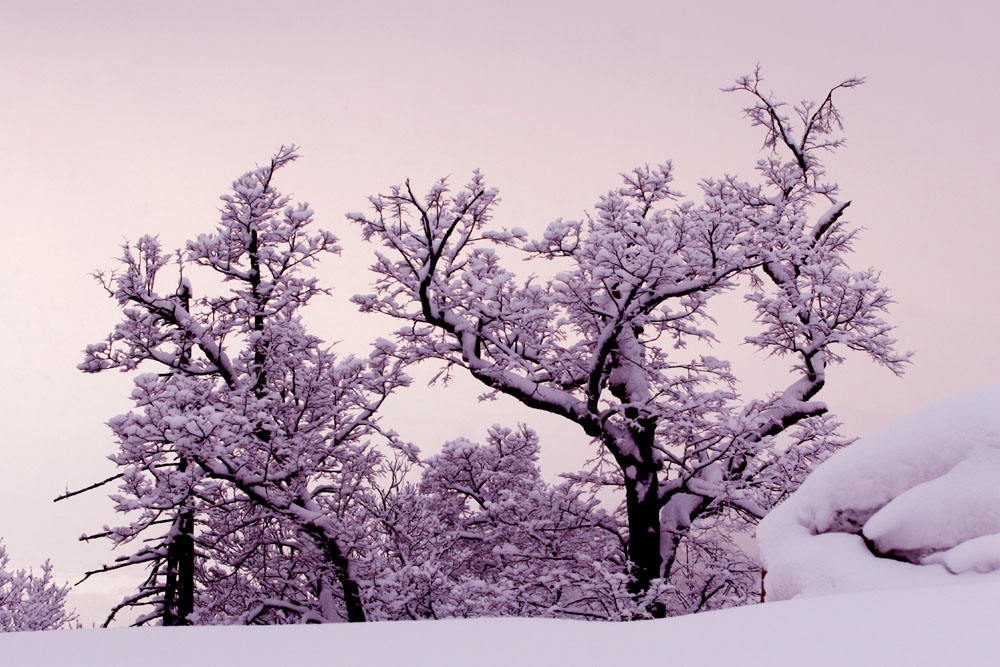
pixel 121 118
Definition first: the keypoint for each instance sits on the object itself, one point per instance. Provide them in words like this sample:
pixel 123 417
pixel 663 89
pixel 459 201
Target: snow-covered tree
pixel 602 343
pixel 484 535
pixel 253 440
pixel 29 601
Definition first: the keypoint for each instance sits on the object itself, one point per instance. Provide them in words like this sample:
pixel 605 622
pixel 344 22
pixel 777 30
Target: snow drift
pixel 914 504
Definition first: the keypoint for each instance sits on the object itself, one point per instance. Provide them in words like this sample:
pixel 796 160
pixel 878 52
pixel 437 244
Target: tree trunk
pixel 643 509
pixel 334 556
pixel 178 595
pixel 259 354
pixel 642 503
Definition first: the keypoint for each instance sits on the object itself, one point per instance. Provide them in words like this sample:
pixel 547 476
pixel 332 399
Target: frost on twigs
pixel 30 601
pixel 604 342
pixel 483 535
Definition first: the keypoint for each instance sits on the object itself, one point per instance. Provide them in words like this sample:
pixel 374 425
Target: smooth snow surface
pixel 951 625
pixel 926 488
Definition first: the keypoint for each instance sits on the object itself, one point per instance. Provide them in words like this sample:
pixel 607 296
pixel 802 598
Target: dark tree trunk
pixel 642 503
pixel 341 567
pixel 644 541
pixel 259 354
pixel 178 595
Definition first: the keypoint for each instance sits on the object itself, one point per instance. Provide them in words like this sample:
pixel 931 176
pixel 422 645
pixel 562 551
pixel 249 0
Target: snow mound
pixel 911 505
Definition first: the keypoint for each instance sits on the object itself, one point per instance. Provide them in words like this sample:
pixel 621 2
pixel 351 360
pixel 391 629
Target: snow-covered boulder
pixel 914 504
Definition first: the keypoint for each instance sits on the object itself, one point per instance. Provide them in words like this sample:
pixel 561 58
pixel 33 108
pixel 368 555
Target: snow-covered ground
pixel 949 625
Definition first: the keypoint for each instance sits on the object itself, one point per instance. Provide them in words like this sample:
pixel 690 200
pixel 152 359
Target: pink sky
pixel 121 118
